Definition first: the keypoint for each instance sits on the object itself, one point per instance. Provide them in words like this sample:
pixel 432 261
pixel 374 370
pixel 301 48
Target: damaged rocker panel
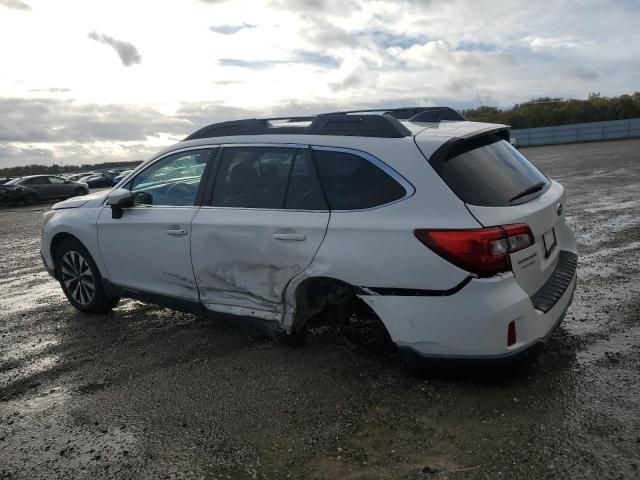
pixel 411 292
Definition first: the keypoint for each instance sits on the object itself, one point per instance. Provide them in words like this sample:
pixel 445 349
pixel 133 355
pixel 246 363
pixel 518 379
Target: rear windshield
pixel 491 173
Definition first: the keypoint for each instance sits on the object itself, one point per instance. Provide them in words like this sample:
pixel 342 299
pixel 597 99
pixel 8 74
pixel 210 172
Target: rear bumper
pixel 472 324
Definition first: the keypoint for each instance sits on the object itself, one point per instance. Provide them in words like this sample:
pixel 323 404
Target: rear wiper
pixel 533 188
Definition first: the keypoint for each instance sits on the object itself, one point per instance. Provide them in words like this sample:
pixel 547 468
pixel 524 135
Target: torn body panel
pixel 241 262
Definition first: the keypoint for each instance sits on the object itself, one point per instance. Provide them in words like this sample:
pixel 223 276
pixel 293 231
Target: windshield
pixel 14 181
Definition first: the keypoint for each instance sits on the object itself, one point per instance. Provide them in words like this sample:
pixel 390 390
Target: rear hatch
pixel 501 187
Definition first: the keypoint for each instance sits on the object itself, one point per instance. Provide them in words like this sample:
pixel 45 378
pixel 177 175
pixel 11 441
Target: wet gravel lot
pixel 145 392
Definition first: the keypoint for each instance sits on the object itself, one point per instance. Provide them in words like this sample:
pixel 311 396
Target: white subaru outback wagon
pixel 456 242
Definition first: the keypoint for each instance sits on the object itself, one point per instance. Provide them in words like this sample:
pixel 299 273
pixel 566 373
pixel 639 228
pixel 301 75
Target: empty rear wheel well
pixel 329 301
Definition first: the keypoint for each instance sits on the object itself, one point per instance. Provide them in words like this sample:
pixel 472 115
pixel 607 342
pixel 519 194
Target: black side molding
pixel 549 294
pixel 411 292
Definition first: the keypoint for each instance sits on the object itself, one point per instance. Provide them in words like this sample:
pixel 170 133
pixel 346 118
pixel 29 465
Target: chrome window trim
pixel 408 187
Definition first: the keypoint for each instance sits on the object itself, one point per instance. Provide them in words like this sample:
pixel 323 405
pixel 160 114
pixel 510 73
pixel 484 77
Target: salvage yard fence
pixel 579 132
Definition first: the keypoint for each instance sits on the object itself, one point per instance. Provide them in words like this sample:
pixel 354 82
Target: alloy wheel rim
pixel 77 277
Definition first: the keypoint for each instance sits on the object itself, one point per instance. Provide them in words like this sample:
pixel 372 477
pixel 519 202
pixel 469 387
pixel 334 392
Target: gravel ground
pixel 145 392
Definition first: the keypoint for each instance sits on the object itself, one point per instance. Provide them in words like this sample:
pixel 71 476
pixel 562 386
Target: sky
pixel 89 81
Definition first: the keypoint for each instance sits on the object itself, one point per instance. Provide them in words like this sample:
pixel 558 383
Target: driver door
pixel 148 249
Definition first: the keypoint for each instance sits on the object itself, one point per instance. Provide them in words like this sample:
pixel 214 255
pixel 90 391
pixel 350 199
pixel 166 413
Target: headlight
pixel 46 216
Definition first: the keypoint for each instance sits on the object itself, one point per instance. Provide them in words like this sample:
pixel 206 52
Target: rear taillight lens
pixel 483 251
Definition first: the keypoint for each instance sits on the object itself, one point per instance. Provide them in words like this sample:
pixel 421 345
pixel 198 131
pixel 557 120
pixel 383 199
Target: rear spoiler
pixel 458 145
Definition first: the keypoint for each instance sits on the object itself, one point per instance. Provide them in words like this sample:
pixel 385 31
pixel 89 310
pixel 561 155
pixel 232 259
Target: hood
pixel 92 200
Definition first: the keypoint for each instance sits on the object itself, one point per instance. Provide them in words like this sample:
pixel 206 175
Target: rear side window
pixel 492 174
pixel 36 181
pixel 253 177
pixel 352 182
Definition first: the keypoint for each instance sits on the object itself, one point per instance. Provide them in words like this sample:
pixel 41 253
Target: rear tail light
pixel 483 251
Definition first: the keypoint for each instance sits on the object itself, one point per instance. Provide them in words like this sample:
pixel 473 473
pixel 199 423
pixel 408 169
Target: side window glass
pixel 352 182
pixel 36 181
pixel 253 177
pixel 172 181
pixel 304 188
pixel 56 180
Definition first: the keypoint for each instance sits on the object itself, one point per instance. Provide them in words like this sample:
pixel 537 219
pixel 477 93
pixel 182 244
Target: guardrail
pixel 579 132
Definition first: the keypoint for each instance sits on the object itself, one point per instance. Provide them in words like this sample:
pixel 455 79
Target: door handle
pixel 296 237
pixel 175 231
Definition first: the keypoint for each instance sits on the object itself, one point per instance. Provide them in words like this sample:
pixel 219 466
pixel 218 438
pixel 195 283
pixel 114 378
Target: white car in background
pixel 444 230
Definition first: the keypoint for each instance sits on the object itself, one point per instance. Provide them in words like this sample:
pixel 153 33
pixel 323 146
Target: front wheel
pixel 80 279
pixel 80 191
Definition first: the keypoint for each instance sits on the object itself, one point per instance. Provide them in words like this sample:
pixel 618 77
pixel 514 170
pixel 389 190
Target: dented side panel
pixel 238 263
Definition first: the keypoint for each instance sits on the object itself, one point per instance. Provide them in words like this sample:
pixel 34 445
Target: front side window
pixel 56 180
pixel 352 182
pixel 172 181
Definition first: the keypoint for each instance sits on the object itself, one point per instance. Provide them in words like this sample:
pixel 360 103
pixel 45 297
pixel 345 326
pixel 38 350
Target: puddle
pixel 54 398
pixel 23 349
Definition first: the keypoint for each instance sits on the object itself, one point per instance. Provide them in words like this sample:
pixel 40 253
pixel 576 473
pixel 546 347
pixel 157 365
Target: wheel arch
pixel 314 294
pixel 59 238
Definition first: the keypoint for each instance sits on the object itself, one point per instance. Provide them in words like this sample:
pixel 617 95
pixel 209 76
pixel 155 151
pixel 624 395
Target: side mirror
pixel 118 200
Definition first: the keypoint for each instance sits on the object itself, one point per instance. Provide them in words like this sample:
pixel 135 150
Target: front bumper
pixel 472 324
pixel 49 268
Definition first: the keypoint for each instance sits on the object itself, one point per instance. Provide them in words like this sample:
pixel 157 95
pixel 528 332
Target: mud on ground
pixel 145 392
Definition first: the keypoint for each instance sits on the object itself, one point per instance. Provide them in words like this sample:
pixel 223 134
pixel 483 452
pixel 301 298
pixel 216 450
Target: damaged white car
pixel 444 230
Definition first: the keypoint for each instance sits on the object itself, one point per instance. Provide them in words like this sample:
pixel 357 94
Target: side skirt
pixel 262 326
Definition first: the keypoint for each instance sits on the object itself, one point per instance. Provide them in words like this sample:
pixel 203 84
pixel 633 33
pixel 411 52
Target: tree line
pixel 23 171
pixel 547 111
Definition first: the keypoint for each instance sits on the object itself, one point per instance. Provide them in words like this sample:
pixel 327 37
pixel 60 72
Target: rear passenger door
pixel 262 223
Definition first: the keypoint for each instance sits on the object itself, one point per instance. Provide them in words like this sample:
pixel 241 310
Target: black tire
pixel 295 339
pixel 80 191
pixel 30 199
pixel 80 278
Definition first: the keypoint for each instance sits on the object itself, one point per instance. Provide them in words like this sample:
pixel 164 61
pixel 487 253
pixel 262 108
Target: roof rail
pixel 374 122
pixel 340 123
pixel 409 113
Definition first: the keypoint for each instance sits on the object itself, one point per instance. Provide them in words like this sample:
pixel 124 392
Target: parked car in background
pixel 99 180
pixel 120 176
pixel 77 176
pixel 448 236
pixel 34 188
pixel 4 180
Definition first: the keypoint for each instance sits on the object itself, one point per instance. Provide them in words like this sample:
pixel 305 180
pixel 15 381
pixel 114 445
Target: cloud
pixel 324 34
pixel 323 7
pixel 127 52
pixel 50 90
pixel 230 29
pixel 48 120
pixel 15 4
pixel 305 57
